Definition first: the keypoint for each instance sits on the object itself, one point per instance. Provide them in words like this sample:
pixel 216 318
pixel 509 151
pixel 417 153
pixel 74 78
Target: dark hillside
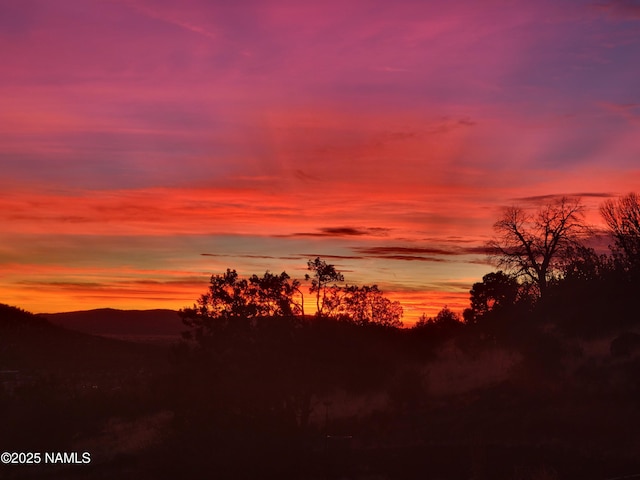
pixel 31 342
pixel 67 391
pixel 109 321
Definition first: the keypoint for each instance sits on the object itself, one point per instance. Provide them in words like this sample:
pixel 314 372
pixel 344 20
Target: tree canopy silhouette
pixel 623 219
pixel 367 304
pixel 231 302
pixel 532 245
pixel 496 291
pixel 323 284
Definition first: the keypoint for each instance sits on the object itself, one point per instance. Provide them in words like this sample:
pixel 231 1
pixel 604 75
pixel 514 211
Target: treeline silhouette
pixel 537 379
pixel 256 367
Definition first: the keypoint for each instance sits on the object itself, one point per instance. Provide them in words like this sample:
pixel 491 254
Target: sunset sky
pixel 145 145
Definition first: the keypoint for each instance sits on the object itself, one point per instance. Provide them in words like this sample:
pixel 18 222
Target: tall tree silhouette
pixel 623 219
pixel 323 284
pixel 532 245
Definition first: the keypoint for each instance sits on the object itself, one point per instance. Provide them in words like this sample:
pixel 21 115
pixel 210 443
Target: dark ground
pixel 326 400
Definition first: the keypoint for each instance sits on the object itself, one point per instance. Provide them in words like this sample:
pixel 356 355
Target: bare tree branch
pixel 532 245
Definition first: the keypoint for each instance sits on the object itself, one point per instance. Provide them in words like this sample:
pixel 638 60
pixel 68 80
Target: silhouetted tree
pixel 232 302
pixel 323 284
pixel 447 317
pixel 228 298
pixel 445 320
pixel 496 291
pixel 532 245
pixel 275 294
pixel 367 304
pixel 583 264
pixel 623 219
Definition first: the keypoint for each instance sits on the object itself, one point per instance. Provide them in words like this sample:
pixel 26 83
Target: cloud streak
pixel 345 232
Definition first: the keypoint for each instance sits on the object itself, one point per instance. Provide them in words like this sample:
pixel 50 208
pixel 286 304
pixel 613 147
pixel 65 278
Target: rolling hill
pixel 120 323
pixel 29 341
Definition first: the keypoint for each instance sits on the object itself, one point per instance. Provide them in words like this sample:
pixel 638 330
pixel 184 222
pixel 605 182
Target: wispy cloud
pixel 540 199
pixel 171 17
pixel 345 232
pixel 427 253
pixel 237 256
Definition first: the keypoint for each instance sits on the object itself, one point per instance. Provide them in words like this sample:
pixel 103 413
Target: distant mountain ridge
pixel 32 342
pixel 110 321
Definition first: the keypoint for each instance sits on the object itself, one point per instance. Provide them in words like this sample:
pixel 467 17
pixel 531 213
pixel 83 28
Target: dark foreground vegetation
pixel 538 380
